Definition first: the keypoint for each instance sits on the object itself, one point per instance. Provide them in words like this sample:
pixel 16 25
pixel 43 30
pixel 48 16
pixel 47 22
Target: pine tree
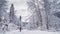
pixel 12 17
pixel 12 14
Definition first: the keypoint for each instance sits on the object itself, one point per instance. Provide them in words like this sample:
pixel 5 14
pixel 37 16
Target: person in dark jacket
pixel 20 29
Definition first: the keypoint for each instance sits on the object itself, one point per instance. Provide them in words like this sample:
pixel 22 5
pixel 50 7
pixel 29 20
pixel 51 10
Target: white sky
pixel 21 8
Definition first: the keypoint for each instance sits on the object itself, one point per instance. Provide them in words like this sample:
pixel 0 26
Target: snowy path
pixel 30 32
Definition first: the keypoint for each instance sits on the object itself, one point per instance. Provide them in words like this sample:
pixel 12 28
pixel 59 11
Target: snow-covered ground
pixel 30 32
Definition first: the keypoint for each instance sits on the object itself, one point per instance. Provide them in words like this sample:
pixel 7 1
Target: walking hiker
pixel 20 29
pixel 20 24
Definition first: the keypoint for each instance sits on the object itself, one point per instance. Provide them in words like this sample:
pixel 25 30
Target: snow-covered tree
pixel 3 14
pixel 32 7
pixel 52 14
pixel 38 12
pixel 11 14
pixel 12 17
pixel 45 13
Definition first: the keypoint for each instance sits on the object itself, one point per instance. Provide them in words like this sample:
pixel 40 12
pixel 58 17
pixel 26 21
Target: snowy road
pixel 31 32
